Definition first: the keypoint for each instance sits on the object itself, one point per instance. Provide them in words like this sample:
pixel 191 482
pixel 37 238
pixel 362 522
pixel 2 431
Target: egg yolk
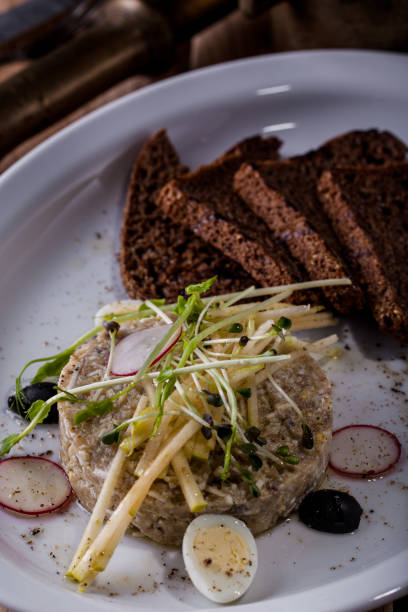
pixel 222 549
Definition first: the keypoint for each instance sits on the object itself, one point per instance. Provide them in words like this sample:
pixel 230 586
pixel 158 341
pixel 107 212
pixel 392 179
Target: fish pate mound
pixel 164 515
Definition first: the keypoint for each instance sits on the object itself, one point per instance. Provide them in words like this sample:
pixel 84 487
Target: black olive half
pixel 32 393
pixel 331 511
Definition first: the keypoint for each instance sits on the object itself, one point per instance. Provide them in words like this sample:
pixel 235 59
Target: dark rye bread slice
pixel 368 208
pixel 372 147
pixel 158 258
pixel 205 202
pixel 284 195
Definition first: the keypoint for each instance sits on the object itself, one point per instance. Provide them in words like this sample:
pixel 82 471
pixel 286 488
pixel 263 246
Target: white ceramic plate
pixel 59 225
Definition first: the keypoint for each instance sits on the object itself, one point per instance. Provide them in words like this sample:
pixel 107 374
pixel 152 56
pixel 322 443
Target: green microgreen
pixel 307 437
pixel 112 327
pixel 291 459
pixel 282 325
pixel 208 419
pixel 40 411
pixel 188 310
pixel 201 287
pixel 111 437
pixel 235 328
pixel 214 399
pixel 158 406
pixel 206 432
pixel 224 431
pixel 283 451
pixel 54 366
pixel 245 392
pixel 255 461
pixel 93 409
pixel 249 479
pixel 253 434
pixel 249 449
pixel 246 447
pixel 8 442
pixel 35 409
pixel 194 292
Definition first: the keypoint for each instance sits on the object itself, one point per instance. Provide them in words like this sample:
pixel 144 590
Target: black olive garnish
pixel 32 393
pixel 331 511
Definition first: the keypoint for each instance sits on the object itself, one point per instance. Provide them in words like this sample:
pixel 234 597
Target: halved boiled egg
pixel 121 307
pixel 220 556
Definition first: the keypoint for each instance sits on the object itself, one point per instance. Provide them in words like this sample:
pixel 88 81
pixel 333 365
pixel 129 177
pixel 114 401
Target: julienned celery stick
pixel 99 553
pixel 104 499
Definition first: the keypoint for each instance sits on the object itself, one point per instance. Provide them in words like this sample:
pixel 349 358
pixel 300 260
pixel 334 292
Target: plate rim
pixel 106 109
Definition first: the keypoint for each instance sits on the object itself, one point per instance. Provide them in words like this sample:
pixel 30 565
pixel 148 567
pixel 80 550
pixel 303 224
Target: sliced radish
pixel 33 485
pixel 131 352
pixel 363 450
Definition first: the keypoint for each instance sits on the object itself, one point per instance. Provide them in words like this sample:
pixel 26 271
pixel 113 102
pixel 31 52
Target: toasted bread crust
pixel 368 208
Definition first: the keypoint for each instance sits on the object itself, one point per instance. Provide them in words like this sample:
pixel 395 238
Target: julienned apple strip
pixel 99 553
pixel 104 498
pixel 98 514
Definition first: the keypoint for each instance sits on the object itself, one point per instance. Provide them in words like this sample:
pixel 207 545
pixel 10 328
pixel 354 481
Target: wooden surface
pixel 232 38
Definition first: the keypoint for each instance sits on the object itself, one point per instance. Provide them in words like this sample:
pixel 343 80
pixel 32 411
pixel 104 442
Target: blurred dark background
pixel 60 59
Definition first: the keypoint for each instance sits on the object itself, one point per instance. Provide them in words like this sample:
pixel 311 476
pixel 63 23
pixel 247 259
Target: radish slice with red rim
pixel 132 351
pixel 33 485
pixel 364 450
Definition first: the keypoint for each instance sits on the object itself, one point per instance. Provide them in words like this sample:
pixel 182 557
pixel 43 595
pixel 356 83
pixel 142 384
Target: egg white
pixel 121 307
pixel 217 586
